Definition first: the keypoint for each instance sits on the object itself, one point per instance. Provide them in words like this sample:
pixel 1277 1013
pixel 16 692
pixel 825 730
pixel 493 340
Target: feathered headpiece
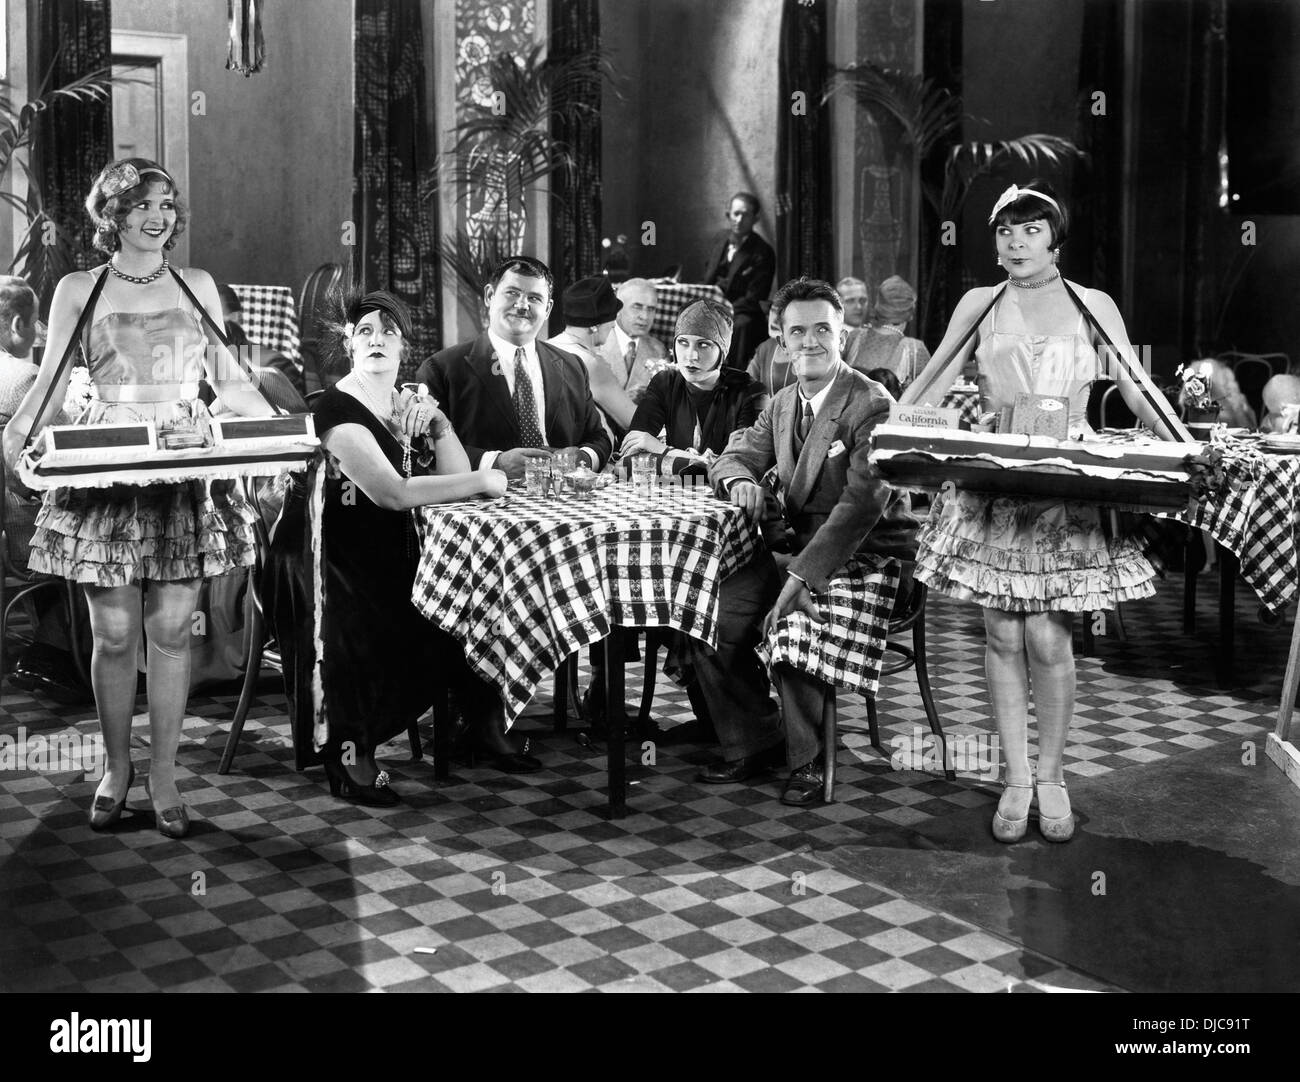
pixel 1012 194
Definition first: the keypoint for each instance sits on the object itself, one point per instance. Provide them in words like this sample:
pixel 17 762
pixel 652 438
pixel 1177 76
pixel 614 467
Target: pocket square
pixel 836 449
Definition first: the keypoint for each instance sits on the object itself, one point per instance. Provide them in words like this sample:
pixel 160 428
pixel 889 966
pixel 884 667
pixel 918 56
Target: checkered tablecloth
pixel 965 399
pixel 673 297
pixel 846 649
pixel 1256 519
pixel 270 317
pixel 525 581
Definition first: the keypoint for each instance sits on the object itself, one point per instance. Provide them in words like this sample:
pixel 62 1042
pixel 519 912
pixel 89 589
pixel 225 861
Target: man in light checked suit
pixel 816 433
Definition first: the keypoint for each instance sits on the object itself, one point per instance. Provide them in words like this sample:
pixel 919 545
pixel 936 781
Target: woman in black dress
pixel 690 411
pixel 377 655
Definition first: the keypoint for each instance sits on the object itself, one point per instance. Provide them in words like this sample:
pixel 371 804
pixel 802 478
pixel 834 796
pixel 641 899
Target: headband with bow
pixel 1012 194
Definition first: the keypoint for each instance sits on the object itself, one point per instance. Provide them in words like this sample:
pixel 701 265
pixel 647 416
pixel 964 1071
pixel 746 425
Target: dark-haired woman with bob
pixel 359 658
pixel 147 351
pixel 1031 563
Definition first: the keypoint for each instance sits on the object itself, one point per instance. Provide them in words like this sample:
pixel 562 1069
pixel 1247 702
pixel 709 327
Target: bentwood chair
pixel 907 616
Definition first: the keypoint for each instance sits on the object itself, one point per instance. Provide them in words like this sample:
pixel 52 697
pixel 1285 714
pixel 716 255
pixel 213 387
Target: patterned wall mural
pixel 884 208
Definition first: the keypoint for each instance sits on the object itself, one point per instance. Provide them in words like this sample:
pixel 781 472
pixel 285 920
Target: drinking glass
pixel 643 474
pixel 537 476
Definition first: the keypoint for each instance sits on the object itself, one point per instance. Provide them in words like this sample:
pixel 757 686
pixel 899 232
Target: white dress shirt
pixel 505 354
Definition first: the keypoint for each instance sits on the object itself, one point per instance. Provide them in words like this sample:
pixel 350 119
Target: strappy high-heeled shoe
pixel 1010 830
pixel 1059 829
pixel 171 822
pixel 104 811
pixel 379 794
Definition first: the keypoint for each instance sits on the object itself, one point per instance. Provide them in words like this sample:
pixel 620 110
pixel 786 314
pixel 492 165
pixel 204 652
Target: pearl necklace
pixel 162 269
pixel 1021 284
pixel 377 407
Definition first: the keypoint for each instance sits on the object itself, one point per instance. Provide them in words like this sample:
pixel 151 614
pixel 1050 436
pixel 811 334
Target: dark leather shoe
pixel 803 789
pixel 728 773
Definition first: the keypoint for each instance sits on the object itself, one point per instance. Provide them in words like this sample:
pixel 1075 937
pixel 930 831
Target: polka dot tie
pixel 530 429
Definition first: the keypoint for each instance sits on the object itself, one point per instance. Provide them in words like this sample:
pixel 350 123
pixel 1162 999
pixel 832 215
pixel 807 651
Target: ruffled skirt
pixel 1021 554
pixel 130 533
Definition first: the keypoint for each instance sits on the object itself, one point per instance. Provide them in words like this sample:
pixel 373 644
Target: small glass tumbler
pixel 537 476
pixel 643 474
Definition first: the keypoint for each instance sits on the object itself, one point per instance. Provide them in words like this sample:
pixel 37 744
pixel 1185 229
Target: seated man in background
pixel 882 342
pixel 856 300
pixel 632 353
pixel 817 433
pixel 742 264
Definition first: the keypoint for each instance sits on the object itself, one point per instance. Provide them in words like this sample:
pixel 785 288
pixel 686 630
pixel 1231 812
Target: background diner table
pixel 1253 521
pixel 672 298
pixel 525 581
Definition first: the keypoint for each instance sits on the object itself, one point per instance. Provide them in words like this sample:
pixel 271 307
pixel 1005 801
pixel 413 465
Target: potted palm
pixel 42 253
pixel 916 117
pixel 506 148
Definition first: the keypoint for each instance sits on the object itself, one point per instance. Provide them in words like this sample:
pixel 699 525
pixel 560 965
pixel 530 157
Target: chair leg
pixel 830 744
pixel 927 695
pixel 252 669
pixel 873 723
pixel 650 655
pixel 417 745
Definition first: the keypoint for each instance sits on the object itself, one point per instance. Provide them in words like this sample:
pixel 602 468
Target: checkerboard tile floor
pixel 519 883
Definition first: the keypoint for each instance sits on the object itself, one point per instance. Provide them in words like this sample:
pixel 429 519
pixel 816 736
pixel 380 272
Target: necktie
pixel 530 430
pixel 629 359
pixel 803 427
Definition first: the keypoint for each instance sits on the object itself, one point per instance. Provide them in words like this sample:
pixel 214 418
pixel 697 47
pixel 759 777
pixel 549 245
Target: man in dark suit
pixel 501 418
pixel 511 398
pixel 742 264
pixel 817 434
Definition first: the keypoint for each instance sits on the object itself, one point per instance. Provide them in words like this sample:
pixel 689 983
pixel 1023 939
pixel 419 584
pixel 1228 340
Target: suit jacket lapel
pixel 813 456
pixel 495 388
pixel 783 421
pixel 552 379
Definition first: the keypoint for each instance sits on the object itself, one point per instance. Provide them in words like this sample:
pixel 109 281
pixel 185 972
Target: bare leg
pixel 115 629
pixel 1048 641
pixel 1006 667
pixel 168 616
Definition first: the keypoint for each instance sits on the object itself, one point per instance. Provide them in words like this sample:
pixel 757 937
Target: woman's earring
pixel 1056 255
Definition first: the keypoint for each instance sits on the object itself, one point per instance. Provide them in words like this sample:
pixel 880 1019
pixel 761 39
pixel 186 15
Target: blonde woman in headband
pixel 146 352
pixel 1032 563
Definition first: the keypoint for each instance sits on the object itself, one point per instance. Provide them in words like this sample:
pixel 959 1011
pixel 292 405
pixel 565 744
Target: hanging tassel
pixel 247 47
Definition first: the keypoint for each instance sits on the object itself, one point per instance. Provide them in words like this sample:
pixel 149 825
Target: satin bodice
pixel 1011 361
pixel 142 348
pixel 145 365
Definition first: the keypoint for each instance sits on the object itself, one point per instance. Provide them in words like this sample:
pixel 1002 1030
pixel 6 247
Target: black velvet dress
pixel 379 657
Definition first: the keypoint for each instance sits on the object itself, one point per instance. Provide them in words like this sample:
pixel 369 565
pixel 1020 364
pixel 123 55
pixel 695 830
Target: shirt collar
pixel 505 351
pixel 624 340
pixel 819 399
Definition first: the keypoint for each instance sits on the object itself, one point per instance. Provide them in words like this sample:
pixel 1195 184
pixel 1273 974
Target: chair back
pixel 1114 412
pixel 1253 370
pixel 313 297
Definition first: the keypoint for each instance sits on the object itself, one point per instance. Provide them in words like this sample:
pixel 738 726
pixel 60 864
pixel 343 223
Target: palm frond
pixel 923 112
